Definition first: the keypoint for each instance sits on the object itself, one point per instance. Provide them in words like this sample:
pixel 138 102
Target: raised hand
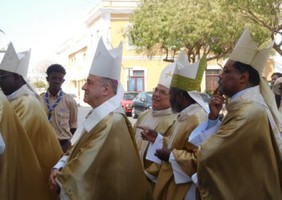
pixel 216 103
pixel 148 134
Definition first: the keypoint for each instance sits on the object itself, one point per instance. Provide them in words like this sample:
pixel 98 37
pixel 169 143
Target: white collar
pixel 163 112
pixel 20 92
pixel 98 113
pixel 189 111
pixel 252 94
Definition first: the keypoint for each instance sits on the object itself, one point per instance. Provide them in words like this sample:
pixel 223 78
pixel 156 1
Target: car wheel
pixel 133 113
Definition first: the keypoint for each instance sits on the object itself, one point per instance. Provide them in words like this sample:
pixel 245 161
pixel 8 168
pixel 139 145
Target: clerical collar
pixel 189 111
pixel 243 92
pixel 97 114
pixel 20 92
pixel 163 112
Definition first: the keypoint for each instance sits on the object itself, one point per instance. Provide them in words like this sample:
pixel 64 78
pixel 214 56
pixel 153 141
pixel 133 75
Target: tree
pixel 40 84
pixel 201 27
pixel 264 15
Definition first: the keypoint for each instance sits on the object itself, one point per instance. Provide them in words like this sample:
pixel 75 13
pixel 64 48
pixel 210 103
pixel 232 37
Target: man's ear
pixel 244 77
pixel 107 88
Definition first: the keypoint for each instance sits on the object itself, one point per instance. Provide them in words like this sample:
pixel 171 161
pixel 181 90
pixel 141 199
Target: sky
pixel 42 25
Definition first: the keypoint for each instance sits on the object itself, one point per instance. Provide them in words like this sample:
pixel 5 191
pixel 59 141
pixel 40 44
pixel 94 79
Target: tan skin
pixel 160 102
pixel 231 82
pixel 151 135
pixel 160 98
pixel 96 93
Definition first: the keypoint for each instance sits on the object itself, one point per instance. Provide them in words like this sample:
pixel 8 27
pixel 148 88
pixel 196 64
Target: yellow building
pixel 110 19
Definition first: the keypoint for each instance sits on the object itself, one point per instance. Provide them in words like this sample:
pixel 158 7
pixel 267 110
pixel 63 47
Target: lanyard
pixel 51 108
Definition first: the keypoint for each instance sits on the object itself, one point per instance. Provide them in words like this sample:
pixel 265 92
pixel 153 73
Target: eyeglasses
pixel 161 92
pixel 227 71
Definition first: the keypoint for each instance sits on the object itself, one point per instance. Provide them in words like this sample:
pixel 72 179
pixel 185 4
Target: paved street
pixel 82 112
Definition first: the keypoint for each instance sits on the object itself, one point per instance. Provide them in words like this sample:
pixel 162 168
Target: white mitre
pixel 189 76
pixel 15 63
pixel 245 51
pixel 107 63
pixel 166 75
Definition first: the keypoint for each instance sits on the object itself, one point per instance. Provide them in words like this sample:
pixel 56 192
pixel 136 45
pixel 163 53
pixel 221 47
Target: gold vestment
pixel 184 153
pixel 21 177
pixel 104 164
pixel 241 160
pixel 160 121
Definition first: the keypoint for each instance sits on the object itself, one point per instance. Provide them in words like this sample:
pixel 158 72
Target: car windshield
pixel 129 96
pixel 150 94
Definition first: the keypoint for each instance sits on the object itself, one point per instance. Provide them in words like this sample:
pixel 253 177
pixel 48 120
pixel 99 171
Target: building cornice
pixel 112 7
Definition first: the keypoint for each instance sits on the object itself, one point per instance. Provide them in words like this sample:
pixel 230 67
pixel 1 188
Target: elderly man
pixel 13 70
pixel 240 158
pixel 160 118
pixel 104 163
pixel 177 158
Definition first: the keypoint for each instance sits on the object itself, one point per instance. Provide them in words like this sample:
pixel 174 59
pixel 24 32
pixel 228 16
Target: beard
pixel 175 107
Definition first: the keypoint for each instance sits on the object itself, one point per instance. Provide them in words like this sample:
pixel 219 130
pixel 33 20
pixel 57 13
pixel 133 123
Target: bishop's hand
pixel 148 134
pixel 163 154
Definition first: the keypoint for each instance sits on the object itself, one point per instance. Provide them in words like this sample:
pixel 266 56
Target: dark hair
pixel 112 82
pixel 277 74
pixel 253 73
pixel 184 93
pixel 56 68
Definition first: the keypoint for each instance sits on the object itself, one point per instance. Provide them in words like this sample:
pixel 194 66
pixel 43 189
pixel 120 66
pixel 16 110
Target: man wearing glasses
pixel 240 157
pixel 159 118
pixel 176 156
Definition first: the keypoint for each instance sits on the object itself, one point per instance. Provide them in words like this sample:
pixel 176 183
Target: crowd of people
pixel 181 149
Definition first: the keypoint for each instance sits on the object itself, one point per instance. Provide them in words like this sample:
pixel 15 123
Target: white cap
pixel 16 63
pixel 245 51
pixel 107 63
pixel 166 75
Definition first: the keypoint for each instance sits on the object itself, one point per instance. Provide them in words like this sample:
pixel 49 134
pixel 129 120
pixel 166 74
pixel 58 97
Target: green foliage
pixel 39 84
pixel 201 27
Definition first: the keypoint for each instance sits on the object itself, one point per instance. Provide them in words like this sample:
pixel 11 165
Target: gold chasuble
pixel 160 121
pixel 184 153
pixel 41 134
pixel 104 164
pixel 241 160
pixel 20 175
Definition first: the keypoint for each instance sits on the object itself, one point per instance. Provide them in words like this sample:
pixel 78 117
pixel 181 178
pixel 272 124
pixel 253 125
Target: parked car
pixel 126 102
pixel 141 102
